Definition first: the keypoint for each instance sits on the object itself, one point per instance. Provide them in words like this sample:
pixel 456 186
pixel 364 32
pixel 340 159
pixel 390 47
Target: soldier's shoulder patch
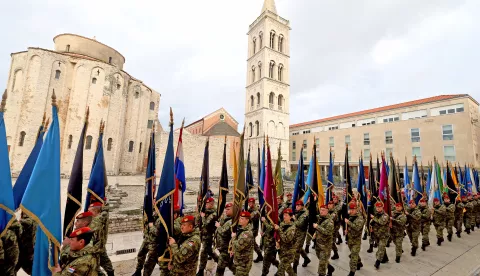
pixel 71 270
pixel 191 243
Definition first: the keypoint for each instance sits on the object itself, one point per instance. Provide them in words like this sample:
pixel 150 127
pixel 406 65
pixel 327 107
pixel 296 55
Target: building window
pixel 110 60
pixel 258 100
pixel 152 106
pixel 270 70
pixel 333 128
pixel 137 94
pixel 416 152
pixel 272 39
pixel 280 102
pixel 257 127
pixel 294 145
pixel 252 102
pixel 94 80
pixel 140 149
pixel 280 72
pixel 294 157
pixel 366 154
pixel 67 49
pixel 109 144
pixel 280 43
pixel 388 137
pixel 222 117
pixel 366 139
pixel 270 99
pixel 88 143
pixel 253 74
pixel 347 140
pixel 388 152
pixel 415 135
pixel 304 144
pixel 250 126
pixel 118 86
pixel 57 74
pixel 304 155
pixel 260 41
pixel 150 124
pixel 331 142
pixel 22 139
pixel 70 138
pixel 349 155
pixel 306 131
pixel 459 109
pixel 449 153
pixel 254 44
pixel 447 131
pixel 259 70
pixel 130 146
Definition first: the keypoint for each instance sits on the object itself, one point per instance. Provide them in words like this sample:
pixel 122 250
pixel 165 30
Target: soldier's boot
pixel 351 273
pixel 377 264
pixel 111 273
pixel 306 262
pixel 467 230
pixel 472 228
pixel 375 244
pixel 339 240
pixel 200 272
pixel 458 234
pixel 335 255
pixel 385 258
pixel 359 265
pixel 428 243
pixel 307 248
pixel 330 270
pixel 275 263
pixel 439 241
pixel 424 246
pixel 259 258
pixel 364 236
pixel 295 268
pixel 370 249
pixel 449 237
pixel 414 251
pixel 397 259
pixel 313 245
pixel 138 272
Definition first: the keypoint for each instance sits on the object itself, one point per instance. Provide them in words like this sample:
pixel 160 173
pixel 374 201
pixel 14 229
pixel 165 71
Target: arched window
pixel 280 43
pixel 250 127
pixel 70 138
pixel 272 39
pixel 257 127
pixel 110 60
pixel 88 143
pixel 67 49
pixel 94 80
pixel 280 102
pixel 253 73
pixel 252 102
pixel 152 106
pixel 258 100
pixel 130 146
pixel 109 144
pixel 21 139
pixel 140 149
pixel 270 71
pixel 259 70
pixel 271 98
pixel 260 41
pixel 137 94
pixel 254 44
pixel 57 74
pixel 280 72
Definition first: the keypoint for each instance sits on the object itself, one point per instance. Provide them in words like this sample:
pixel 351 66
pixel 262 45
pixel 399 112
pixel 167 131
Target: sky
pixel 346 55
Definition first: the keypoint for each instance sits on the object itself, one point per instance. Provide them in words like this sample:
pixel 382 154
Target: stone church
pixel 84 73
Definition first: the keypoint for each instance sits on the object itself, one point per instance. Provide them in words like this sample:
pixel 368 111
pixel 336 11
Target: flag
pixel 41 200
pixel 75 184
pixel 348 181
pixel 180 181
pixel 150 181
pixel 261 181
pixel 239 197
pixel 427 184
pixel 417 184
pixel 278 173
pixel 204 179
pixel 434 191
pixel 26 172
pixel 472 180
pixel 299 186
pixel 235 169
pixel 270 191
pixel 383 182
pixel 361 185
pixel 330 186
pixel 223 185
pixel 408 190
pixel 163 203
pixel 313 191
pixel 98 177
pixel 310 176
pixel 320 192
pixel 7 209
pixel 393 184
pixel 476 180
pixel 450 184
pixel 463 177
pixel 373 195
pixel 249 179
pixel 439 192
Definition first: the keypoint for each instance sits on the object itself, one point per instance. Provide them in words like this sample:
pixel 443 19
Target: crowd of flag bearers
pixel 383 210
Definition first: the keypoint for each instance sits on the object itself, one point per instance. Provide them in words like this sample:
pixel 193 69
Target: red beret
pixel 402 192
pixel 411 201
pixel 423 200
pixel 96 204
pixel 464 197
pixel 335 196
pixel 379 204
pixel 228 205
pixel 469 194
pixel 80 231
pixel 288 211
pixel 324 207
pixel 84 215
pixel 299 202
pixel 352 205
pixel 331 202
pixel 251 199
pixel 289 194
pixel 210 199
pixel 436 200
pixel 188 219
pixel 399 204
pixel 245 214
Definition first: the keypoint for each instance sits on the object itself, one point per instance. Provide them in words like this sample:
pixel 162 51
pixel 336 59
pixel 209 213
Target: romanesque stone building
pixel 268 90
pixel 84 73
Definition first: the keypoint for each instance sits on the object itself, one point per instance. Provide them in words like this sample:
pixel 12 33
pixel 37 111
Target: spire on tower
pixel 269 5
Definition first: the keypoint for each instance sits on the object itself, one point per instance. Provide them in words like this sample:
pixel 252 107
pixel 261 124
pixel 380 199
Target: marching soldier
pixel 439 212
pixel 208 229
pixel 398 229
pixel 323 241
pixel 425 223
pixel 80 259
pixel 333 213
pixel 185 250
pixel 338 209
pixel 354 225
pixel 27 240
pixel 380 225
pixel 289 202
pixel 255 220
pixel 269 246
pixel 301 225
pixel 222 238
pixel 473 221
pixel 459 207
pixel 11 247
pixel 470 207
pixel 243 246
pixel 286 246
pixel 153 258
pixel 100 234
pixel 281 207
pixel 146 249
pixel 414 217
pixel 81 220
pixel 449 217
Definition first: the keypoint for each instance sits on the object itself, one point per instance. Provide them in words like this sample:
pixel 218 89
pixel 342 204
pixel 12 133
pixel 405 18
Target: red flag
pixel 270 191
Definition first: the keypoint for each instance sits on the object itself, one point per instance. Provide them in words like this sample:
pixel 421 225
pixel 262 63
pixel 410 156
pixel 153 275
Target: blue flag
pixel 406 183
pixel 261 197
pixel 41 200
pixel 164 200
pixel 329 180
pixel 248 179
pixel 310 176
pixel 98 177
pixel 429 177
pixel 362 185
pixel 299 186
pixel 150 180
pixel 417 185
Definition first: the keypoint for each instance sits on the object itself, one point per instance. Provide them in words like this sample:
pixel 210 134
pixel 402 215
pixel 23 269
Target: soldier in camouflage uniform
pixel 207 231
pixel 288 203
pixel 80 260
pixel 372 240
pixel 301 224
pixel 425 223
pixel 380 225
pixel 286 246
pixel 27 240
pixel 223 234
pixel 99 226
pixel 146 249
pixel 354 226
pixel 449 217
pixel 459 207
pixel 338 210
pixel 413 225
pixel 281 207
pixel 255 221
pixel 470 207
pixel 11 247
pixel 185 250
pixel 323 241
pixel 2 255
pixel 243 246
pixel 399 219
pixel 439 212
pixel 268 246
pixel 333 213
pixel 477 210
pixel 81 220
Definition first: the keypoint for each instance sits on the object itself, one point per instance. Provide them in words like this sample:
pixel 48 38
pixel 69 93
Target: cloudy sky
pixel 345 55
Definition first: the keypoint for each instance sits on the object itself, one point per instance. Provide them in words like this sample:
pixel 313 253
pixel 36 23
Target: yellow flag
pixel 321 193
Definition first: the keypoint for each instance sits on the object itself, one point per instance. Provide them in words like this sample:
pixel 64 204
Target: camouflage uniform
pixel 323 242
pixel 27 240
pixel 255 221
pixel 243 250
pixel 269 249
pixel 333 213
pixel 413 226
pixel 466 215
pixel 11 247
pixel 99 225
pixel 301 224
pixel 372 239
pixel 380 225
pixel 207 232
pixel 81 263
pixel 449 219
pixel 470 207
pixel 354 235
pixel 147 248
pixel 337 223
pixel 459 207
pixel 425 225
pixel 477 213
pixel 163 265
pixel 473 220
pixel 222 241
pixel 2 255
pixel 287 248
pixel 185 254
pixel 439 213
pixel 397 231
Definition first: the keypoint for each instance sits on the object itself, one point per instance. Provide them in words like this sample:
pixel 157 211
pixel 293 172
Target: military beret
pixel 423 200
pixel 331 202
pixel 354 200
pixel 84 215
pixel 245 214
pixel 299 202
pixel 379 204
pixel 228 205
pixel 96 204
pixel 80 231
pixel 398 204
pixel 464 197
pixel 402 192
pixel 210 199
pixel 324 206
pixel 251 199
pixel 289 194
pixel 352 205
pixel 436 200
pixel 411 201
pixel 188 219
pixel 288 211
pixel 469 194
